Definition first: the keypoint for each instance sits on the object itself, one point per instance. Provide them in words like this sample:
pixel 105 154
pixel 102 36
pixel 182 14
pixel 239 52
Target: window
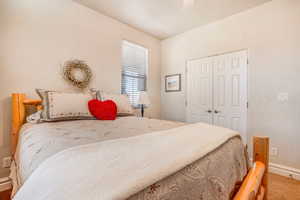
pixel 134 70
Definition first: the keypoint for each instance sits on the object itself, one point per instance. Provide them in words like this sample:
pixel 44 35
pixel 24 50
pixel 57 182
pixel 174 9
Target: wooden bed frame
pixel 254 186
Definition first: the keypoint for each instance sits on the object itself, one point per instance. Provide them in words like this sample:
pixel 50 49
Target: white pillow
pixel 124 107
pixel 60 106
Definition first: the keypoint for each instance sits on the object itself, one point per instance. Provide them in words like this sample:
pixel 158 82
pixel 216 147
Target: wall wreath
pixel 78 73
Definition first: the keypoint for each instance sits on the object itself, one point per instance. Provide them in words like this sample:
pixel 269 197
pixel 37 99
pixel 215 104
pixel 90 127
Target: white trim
pixel 219 54
pixel 284 171
pixel 5 184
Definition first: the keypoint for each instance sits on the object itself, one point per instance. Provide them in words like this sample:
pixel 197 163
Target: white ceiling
pixel 165 18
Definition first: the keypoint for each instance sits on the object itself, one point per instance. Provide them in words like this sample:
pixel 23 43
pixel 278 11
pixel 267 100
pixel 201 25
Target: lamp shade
pixel 144 99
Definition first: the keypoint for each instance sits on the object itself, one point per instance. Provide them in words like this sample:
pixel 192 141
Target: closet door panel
pixel 230 94
pixel 220 91
pixel 199 91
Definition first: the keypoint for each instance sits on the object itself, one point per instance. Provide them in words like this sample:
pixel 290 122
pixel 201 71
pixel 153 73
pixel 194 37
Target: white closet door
pixel 230 91
pixel 218 84
pixel 199 91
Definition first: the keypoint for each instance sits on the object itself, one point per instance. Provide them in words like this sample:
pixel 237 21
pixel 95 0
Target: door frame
pixel 247 84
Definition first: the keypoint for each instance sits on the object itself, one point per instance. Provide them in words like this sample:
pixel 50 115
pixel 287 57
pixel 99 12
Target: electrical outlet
pixel 283 97
pixel 274 151
pixel 6 162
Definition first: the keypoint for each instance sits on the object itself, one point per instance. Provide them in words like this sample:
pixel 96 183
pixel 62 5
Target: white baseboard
pixel 5 184
pixel 284 171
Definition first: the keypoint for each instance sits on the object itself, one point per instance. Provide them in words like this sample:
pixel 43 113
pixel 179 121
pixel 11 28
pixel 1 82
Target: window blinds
pixel 134 71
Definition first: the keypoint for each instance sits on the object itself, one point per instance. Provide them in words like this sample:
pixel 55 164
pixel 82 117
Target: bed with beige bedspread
pixel 129 158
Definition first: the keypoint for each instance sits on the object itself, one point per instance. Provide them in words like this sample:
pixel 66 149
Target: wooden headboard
pixel 19 103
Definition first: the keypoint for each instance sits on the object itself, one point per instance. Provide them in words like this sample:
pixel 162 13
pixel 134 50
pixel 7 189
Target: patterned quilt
pixel 212 177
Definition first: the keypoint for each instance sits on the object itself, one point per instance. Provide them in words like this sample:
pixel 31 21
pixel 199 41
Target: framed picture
pixel 173 83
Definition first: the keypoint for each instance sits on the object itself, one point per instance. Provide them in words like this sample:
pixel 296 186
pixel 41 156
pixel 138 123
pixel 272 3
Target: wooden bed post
pixel 19 103
pixel 261 154
pixel 18 118
pixel 255 184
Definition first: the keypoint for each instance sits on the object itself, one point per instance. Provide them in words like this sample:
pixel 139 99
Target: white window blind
pixel 134 70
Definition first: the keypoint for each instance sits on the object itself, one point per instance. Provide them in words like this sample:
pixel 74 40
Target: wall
pixel 37 37
pixel 271 33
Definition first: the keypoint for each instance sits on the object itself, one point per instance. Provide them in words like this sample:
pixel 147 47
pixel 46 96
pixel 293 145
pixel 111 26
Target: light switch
pixel 283 97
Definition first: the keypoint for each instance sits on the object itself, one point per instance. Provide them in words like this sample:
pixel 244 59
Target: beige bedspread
pixel 39 142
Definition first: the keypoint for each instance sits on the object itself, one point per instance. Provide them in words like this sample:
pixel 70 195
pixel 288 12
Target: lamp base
pixel 142 110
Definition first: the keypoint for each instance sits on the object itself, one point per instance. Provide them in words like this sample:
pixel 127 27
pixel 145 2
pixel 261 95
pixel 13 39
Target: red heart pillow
pixel 103 110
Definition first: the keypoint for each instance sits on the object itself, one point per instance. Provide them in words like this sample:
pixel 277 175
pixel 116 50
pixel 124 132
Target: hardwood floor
pixel 5 195
pixel 282 188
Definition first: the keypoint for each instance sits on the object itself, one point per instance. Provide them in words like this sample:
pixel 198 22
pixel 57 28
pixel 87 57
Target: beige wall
pixel 36 37
pixel 271 33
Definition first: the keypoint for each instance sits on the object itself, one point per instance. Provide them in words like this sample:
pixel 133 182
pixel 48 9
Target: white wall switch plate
pixel 274 151
pixel 283 97
pixel 6 162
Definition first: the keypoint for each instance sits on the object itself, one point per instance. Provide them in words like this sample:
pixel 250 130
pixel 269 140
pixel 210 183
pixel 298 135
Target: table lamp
pixel 143 101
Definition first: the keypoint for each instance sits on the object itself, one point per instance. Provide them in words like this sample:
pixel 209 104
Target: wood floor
pixel 5 195
pixel 280 188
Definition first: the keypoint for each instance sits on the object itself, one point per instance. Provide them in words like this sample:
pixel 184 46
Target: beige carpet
pixel 282 188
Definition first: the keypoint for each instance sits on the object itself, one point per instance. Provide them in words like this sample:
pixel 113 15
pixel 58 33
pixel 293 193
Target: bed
pixel 136 159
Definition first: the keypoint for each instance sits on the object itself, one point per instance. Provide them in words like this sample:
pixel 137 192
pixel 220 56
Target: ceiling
pixel 165 18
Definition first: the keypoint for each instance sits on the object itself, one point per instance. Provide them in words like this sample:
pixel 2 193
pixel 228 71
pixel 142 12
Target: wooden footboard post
pixel 261 154
pixel 18 118
pixel 255 184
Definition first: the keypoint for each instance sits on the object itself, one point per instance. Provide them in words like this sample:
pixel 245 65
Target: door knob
pixel 216 111
pixel 209 111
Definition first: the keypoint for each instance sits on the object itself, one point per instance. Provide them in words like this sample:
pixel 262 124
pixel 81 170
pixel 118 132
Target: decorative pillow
pixel 95 93
pixel 34 118
pixel 122 101
pixel 61 106
pixel 103 110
